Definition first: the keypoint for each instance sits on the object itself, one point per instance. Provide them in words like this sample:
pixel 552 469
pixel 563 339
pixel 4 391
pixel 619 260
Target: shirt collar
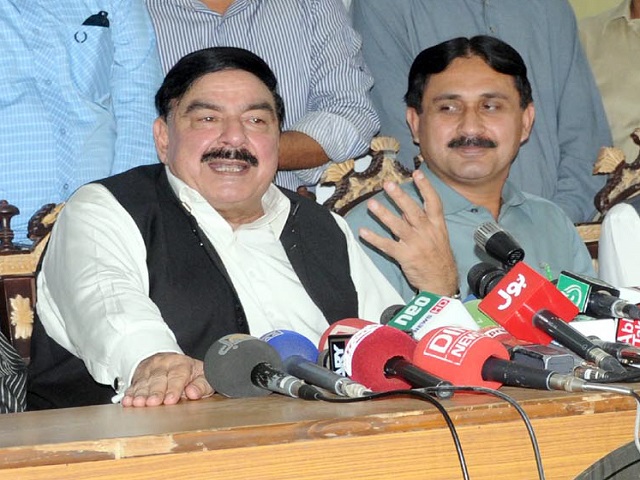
pixel 623 10
pixel 274 203
pixel 453 202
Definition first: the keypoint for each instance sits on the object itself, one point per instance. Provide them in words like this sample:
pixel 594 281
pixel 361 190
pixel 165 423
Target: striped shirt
pixel 313 51
pixel 13 379
pixel 77 80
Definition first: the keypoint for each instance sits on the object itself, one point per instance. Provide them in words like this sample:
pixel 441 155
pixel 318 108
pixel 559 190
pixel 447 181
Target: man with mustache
pixel 146 269
pixel 469 107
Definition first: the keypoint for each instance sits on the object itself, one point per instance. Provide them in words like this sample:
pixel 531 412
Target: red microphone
pixel 346 326
pixel 518 296
pixel 334 341
pixel 531 308
pixel 379 357
pixel 458 354
pixel 466 357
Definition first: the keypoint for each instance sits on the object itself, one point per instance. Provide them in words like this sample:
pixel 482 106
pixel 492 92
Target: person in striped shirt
pixel 316 56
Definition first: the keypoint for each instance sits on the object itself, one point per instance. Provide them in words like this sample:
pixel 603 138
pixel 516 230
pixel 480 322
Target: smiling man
pixel 145 270
pixel 469 107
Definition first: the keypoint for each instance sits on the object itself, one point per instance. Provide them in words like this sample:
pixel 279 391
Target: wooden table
pixel 281 438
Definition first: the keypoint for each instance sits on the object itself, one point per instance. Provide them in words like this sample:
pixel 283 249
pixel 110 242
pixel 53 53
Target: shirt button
pixel 474 210
pixel 65 186
pixel 47 82
pixel 63 131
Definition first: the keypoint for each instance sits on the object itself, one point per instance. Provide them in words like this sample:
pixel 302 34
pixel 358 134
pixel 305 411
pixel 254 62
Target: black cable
pixel 423 394
pixel 523 415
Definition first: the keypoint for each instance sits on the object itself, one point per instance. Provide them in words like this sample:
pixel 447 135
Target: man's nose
pixel 233 132
pixel 471 123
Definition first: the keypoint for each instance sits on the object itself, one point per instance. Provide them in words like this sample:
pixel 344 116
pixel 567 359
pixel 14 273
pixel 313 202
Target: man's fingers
pixel 411 210
pixel 432 202
pixel 198 389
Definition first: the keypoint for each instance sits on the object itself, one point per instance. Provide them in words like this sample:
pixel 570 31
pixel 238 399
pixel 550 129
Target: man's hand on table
pixel 165 378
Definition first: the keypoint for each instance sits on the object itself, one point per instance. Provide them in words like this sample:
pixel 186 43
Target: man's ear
pixel 161 138
pixel 413 120
pixel 528 117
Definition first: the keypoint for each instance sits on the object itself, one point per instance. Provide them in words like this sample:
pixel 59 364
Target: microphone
pixel 299 355
pixel 483 277
pixel 388 313
pixel 595 297
pixel 499 244
pixel 427 311
pixel 346 326
pixel 378 356
pixel 531 308
pixel 467 357
pixel 334 340
pixel 240 365
pixel 624 353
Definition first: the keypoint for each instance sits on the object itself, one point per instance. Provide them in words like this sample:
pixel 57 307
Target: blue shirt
pixel 570 126
pixel 550 241
pixel 313 51
pixel 76 100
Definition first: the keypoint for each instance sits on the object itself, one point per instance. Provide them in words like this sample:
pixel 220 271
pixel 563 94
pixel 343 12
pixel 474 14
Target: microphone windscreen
pixel 346 326
pixel 288 343
pixel 482 277
pixel 368 352
pixel 457 355
pixel 231 359
pixel 390 312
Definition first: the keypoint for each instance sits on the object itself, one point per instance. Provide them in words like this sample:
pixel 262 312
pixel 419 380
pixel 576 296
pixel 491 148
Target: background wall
pixel 587 8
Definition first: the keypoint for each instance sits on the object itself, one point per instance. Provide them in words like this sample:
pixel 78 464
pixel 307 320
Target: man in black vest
pixel 146 269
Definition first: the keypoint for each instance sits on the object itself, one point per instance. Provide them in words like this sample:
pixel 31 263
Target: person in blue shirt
pixel 77 81
pixel 469 107
pixel 556 162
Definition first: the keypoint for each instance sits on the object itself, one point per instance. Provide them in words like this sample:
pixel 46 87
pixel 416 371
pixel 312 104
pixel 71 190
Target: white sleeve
pixel 375 293
pixel 93 289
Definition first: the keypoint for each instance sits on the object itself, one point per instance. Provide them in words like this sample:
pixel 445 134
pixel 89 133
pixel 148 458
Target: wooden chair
pixel 353 187
pixel 18 266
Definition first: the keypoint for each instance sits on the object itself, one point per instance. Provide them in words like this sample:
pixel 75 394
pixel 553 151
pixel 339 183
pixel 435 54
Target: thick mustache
pixel 472 142
pixel 229 154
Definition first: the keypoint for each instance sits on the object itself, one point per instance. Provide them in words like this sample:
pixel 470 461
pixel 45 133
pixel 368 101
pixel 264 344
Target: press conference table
pixel 276 437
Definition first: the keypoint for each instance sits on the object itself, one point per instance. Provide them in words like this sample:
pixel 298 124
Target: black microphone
pixel 388 313
pixel 625 353
pixel 240 365
pixel 575 341
pixel 482 277
pixel 499 244
pixel 594 297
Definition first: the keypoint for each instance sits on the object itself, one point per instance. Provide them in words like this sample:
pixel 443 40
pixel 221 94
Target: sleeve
pixel 136 75
pixel 93 289
pixel 388 54
pixel 582 122
pixel 375 293
pixel 340 115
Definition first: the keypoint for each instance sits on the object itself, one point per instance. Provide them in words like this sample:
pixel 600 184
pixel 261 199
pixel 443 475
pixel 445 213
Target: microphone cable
pixel 425 393
pixel 422 394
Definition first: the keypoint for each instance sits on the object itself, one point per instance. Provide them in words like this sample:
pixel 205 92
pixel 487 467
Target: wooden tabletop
pixel 276 437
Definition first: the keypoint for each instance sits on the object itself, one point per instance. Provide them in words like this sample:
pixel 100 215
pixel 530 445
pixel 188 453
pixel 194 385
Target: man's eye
pixel 208 119
pixel 491 107
pixel 447 107
pixel 256 120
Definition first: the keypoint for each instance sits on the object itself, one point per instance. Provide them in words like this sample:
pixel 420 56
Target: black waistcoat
pixel 190 285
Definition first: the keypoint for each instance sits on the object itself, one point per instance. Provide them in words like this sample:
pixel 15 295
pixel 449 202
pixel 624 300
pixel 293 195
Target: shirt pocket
pixel 91 60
